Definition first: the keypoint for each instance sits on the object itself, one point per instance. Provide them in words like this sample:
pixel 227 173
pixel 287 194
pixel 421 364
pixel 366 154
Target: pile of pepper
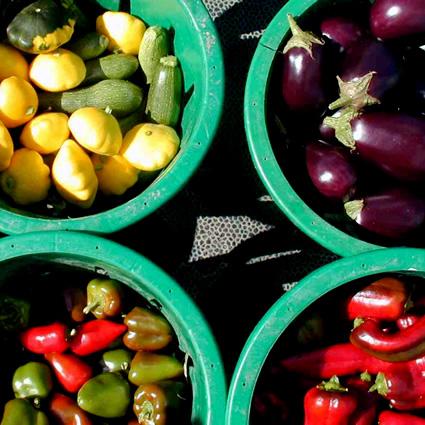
pixel 375 374
pixel 101 365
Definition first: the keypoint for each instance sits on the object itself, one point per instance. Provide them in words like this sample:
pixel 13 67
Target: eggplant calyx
pixel 354 208
pixel 300 38
pixel 342 126
pixel 355 93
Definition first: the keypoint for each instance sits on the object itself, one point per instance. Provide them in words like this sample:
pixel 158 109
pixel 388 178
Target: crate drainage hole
pixel 254 104
pixel 12 246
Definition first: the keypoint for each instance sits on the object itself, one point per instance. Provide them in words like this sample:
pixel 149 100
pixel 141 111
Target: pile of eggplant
pixel 358 87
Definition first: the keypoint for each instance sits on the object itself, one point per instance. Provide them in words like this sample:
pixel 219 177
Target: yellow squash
pixel 125 31
pixel 115 174
pixel 12 62
pixel 150 147
pixel 18 101
pixel 46 132
pixel 6 147
pixel 27 179
pixel 57 71
pixel 96 130
pixel 74 176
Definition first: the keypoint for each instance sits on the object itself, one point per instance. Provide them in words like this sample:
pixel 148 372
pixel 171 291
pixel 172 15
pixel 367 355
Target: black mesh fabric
pixel 222 237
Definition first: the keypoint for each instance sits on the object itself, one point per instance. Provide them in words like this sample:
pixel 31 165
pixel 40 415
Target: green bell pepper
pixel 106 395
pixel 147 367
pixel 117 360
pixel 32 380
pixel 20 412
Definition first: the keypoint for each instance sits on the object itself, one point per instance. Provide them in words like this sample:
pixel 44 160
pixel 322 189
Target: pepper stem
pixel 300 38
pixel 342 126
pixel 91 306
pixel 332 385
pixel 145 416
pixel 354 208
pixel 355 93
pixel 365 376
pixel 380 384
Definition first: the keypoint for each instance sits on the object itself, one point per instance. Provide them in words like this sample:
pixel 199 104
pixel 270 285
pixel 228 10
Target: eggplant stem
pixel 354 208
pixel 300 38
pixel 342 126
pixel 355 93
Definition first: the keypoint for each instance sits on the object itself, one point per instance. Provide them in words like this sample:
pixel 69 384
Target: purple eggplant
pixel 343 31
pixel 370 70
pixel 326 132
pixel 331 170
pixel 392 213
pixel 304 78
pixel 397 19
pixel 392 141
pixel 413 80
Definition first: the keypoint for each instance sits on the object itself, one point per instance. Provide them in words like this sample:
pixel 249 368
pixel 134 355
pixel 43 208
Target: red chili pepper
pixel 95 335
pixel 329 404
pixel 340 359
pixel 393 418
pixel 408 404
pixel 66 411
pixel 70 370
pixel 384 299
pixel 407 320
pixel 46 339
pixel 133 422
pixel 367 402
pixel 401 346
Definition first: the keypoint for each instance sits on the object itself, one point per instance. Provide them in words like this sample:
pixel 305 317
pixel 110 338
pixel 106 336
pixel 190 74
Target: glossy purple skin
pixel 393 19
pixel 414 76
pixel 394 142
pixel 331 171
pixel 326 132
pixel 372 55
pixel 303 80
pixel 393 213
pixel 342 30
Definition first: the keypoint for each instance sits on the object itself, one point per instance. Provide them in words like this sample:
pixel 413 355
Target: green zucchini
pixel 119 66
pixel 164 96
pixel 153 47
pixel 122 97
pixel 128 122
pixel 88 46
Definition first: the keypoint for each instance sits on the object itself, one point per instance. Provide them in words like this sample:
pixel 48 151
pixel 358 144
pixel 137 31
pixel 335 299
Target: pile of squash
pixel 71 121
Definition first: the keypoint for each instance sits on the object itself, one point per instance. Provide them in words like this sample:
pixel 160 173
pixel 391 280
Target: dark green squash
pixel 41 27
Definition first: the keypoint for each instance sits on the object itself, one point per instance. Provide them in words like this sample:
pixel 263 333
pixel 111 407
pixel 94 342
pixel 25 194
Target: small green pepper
pixel 104 298
pixel 149 367
pixel 14 313
pixel 106 395
pixel 146 330
pixel 117 360
pixel 32 380
pixel 20 412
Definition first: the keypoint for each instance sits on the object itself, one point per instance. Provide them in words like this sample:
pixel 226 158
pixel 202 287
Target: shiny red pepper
pixel 66 411
pixel 407 320
pixel 340 359
pixel 46 339
pixel 95 335
pixel 70 370
pixel 384 299
pixel 388 417
pixel 367 401
pixel 401 346
pixel 408 404
pixel 329 404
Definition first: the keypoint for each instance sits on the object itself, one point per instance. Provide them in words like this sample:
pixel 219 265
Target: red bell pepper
pixel 329 404
pixel 66 411
pixel 70 370
pixel 95 335
pixel 46 339
pixel 407 320
pixel 367 402
pixel 340 359
pixel 401 346
pixel 388 417
pixel 408 404
pixel 384 299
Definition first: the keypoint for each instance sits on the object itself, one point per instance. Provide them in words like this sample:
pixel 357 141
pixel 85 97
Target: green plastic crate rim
pixel 288 307
pixel 95 254
pixel 198 48
pixel 261 149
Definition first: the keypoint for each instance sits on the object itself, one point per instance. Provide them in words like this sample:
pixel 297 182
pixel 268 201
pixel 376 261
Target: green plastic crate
pixel 260 145
pixel 409 261
pixel 27 255
pixel 198 48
